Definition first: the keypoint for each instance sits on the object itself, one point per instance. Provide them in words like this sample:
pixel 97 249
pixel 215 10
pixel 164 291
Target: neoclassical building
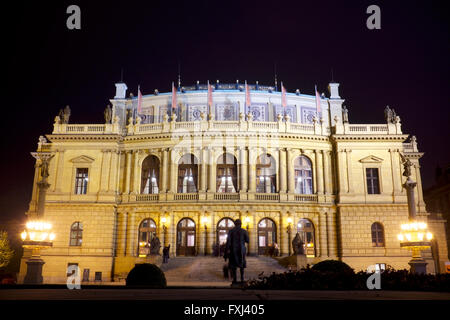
pixel 282 163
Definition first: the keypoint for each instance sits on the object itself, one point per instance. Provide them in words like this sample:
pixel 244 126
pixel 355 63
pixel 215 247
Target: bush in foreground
pixel 330 279
pixel 146 275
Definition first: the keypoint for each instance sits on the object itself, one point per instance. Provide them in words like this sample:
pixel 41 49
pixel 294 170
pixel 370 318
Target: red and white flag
pixel 210 97
pixel 317 102
pixel 247 96
pixel 139 106
pixel 283 96
pixel 174 97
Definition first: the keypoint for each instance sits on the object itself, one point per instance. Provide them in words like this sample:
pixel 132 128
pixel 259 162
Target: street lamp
pixel 164 221
pixel 289 230
pixel 247 224
pixel 37 235
pixel 414 235
pixel 205 222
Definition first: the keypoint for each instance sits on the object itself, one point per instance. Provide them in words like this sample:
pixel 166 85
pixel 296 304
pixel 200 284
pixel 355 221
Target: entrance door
pixel 267 235
pixel 186 237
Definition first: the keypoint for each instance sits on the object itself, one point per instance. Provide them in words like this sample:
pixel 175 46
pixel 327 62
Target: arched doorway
pixel 186 237
pixel 305 228
pixel 267 235
pixel 224 225
pixel 147 231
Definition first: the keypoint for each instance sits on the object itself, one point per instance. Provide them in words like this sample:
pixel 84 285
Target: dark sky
pixel 404 65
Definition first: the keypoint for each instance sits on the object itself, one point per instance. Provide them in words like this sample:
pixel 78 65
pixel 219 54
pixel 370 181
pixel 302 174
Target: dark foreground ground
pixel 179 293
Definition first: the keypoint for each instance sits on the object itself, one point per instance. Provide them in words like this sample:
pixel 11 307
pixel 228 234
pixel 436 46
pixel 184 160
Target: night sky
pixel 404 65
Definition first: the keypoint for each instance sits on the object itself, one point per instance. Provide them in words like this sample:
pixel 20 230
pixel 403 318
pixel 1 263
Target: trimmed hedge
pixel 146 275
pixel 312 279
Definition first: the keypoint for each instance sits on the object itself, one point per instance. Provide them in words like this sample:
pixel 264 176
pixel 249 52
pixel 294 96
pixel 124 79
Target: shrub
pixel 146 275
pixel 333 266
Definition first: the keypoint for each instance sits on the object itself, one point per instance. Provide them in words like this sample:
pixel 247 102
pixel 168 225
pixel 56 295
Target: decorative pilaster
pixel 131 248
pixel 203 169
pixel 349 171
pixel 173 172
pixel 243 163
pixel 128 172
pixel 136 172
pixel 332 236
pixel 212 171
pixel 165 170
pixel 59 171
pixel 323 234
pixel 319 171
pixel 290 171
pixel 122 234
pixel 252 170
pixel 282 166
pixel 341 168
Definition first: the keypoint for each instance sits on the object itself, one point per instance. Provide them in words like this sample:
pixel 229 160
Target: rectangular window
pixel 85 275
pixel 81 181
pixel 98 276
pixel 373 184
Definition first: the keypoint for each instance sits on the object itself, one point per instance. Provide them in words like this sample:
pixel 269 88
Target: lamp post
pixel 38 234
pixel 414 235
pixel 247 223
pixel 205 221
pixel 289 230
pixel 164 221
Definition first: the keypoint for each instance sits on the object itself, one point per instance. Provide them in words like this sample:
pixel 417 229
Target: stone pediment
pixel 82 159
pixel 371 159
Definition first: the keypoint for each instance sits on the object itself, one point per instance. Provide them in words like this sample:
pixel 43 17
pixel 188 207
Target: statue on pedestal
pixel 344 114
pixel 297 245
pixel 155 245
pixel 66 115
pixel 388 114
pixel 108 114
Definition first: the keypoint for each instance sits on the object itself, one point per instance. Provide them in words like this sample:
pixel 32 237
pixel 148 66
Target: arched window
pixel 266 176
pixel 303 175
pixel 187 174
pixel 76 234
pixel 150 175
pixel 377 235
pixel 305 228
pixel 147 231
pixel 226 173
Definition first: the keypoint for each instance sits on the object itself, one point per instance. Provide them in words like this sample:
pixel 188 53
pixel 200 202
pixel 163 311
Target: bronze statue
pixel 66 115
pixel 155 245
pixel 407 164
pixel 108 114
pixel 388 114
pixel 344 114
pixel 297 245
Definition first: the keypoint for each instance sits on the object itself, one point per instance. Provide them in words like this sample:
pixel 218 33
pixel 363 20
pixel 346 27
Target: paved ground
pixel 212 294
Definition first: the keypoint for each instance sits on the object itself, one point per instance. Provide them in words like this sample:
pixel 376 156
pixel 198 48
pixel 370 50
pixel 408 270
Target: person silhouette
pixel 236 251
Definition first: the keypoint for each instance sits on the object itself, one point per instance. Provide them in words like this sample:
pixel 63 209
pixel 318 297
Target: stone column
pixel 165 170
pixel 59 171
pixel 128 172
pixel 136 172
pixel 395 172
pixel 212 171
pixel 290 170
pixel 282 166
pixel 252 170
pixel 319 171
pixel 327 171
pixel 203 171
pixel 349 171
pixel 122 233
pixel 114 172
pixel 243 163
pixel 420 203
pixel 341 172
pixel 131 248
pixel 173 172
pixel 105 170
pixel 332 238
pixel 323 234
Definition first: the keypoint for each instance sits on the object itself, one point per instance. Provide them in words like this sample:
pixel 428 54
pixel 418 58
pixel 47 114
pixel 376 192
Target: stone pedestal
pixel 418 266
pixel 301 261
pixel 34 271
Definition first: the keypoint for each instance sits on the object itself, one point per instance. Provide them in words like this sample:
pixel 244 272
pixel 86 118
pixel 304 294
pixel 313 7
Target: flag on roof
pixel 247 96
pixel 283 96
pixel 139 106
pixel 317 102
pixel 210 98
pixel 174 97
